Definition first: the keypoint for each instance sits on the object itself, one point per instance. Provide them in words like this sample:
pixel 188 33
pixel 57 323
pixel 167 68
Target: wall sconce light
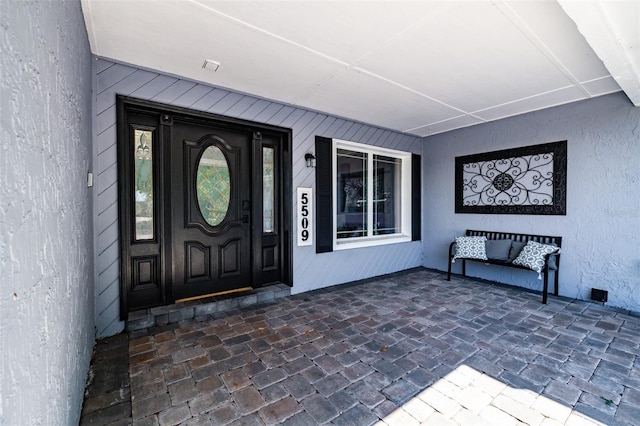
pixel 310 159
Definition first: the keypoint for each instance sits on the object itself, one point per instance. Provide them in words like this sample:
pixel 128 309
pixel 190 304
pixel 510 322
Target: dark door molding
pixel 146 266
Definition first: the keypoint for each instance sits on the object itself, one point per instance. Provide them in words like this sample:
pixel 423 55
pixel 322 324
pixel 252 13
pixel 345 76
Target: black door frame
pixel 159 118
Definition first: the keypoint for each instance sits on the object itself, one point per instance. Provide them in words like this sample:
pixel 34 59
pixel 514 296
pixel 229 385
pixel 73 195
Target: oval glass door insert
pixel 213 186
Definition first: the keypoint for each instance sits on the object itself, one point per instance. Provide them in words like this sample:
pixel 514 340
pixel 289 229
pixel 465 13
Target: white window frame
pixel 405 197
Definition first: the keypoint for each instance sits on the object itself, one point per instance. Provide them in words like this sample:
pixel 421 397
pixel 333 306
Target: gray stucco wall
pixel 310 270
pixel 46 265
pixel 602 227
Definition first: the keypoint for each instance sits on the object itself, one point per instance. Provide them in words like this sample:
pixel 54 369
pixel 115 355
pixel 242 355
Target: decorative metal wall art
pixel 526 180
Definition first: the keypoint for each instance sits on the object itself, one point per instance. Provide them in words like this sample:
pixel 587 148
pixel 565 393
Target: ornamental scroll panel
pixel 527 180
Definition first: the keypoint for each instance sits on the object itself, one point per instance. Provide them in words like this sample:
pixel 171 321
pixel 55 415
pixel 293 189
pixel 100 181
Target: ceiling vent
pixel 211 65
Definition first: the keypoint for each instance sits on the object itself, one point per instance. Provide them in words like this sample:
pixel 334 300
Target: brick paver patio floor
pixel 405 349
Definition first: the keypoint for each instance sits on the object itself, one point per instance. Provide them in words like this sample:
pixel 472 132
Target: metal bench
pixel 552 261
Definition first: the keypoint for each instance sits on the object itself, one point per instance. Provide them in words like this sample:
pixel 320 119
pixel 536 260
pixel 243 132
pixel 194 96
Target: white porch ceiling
pixel 420 67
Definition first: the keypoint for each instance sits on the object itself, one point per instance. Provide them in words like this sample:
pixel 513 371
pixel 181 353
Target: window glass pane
pixel 213 186
pixel 268 194
pixel 143 185
pixel 386 195
pixel 351 193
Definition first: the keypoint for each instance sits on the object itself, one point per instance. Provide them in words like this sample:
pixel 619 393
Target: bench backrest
pixel 491 235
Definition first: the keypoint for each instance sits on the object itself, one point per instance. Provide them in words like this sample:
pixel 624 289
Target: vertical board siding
pixel 310 271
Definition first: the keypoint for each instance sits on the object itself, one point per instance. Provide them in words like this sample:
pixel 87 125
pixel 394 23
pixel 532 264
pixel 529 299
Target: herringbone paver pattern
pixel 405 349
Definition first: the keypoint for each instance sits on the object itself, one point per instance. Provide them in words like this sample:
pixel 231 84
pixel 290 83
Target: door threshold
pixel 220 293
pixel 205 305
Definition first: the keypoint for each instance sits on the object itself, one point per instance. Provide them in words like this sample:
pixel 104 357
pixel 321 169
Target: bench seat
pixel 552 261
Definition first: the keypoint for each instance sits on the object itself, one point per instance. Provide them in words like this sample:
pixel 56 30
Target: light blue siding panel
pixel 368 136
pixel 106 159
pixel 281 115
pixel 110 313
pixel 192 96
pixel 109 292
pixel 327 123
pixel 267 115
pixel 102 65
pixel 113 75
pixel 107 217
pixel 106 177
pixel 343 131
pixel 301 123
pixel 107 237
pixel 293 118
pixel 351 265
pixel 360 134
pixel 405 144
pixel 106 119
pixel 139 78
pixel 108 267
pixel 109 193
pixel 106 139
pixel 335 124
pixel 210 99
pixel 173 92
pixel 108 213
pixel 241 106
pixel 393 141
pixel 350 135
pixel 381 138
pixel 152 88
pixel 400 143
pixel 306 136
pixel 109 303
pixel 254 111
pixel 377 137
pixel 307 129
pixel 224 104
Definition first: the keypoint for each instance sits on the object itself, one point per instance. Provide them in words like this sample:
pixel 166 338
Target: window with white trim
pixel 372 195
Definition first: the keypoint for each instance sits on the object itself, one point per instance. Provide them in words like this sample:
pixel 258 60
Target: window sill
pixel 370 241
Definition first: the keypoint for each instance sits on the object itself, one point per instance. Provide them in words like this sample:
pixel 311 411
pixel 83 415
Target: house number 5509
pixel 305 217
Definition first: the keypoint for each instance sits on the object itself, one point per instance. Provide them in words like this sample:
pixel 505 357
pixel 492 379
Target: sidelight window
pixel 143 184
pixel 268 189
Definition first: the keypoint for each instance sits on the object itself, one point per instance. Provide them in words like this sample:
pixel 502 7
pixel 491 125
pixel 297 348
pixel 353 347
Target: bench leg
pixel 545 287
pixel 556 282
pixel 449 271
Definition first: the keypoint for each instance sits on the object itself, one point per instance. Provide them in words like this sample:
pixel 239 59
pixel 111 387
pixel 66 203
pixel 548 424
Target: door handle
pixel 245 218
pixel 246 205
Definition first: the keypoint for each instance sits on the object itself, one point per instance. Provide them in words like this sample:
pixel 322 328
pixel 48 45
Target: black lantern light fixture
pixel 310 159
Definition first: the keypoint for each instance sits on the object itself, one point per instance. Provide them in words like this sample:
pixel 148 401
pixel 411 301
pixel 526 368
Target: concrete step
pixel 163 315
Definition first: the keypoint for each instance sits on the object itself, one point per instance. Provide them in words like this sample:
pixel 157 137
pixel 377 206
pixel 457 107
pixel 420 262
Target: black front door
pixel 204 204
pixel 211 199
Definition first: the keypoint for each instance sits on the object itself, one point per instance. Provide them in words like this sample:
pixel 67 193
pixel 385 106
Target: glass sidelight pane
pixel 213 186
pixel 143 190
pixel 268 194
pixel 351 194
pixel 386 195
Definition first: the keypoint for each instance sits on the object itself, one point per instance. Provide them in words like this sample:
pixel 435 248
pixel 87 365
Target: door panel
pixel 210 199
pixel 230 258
